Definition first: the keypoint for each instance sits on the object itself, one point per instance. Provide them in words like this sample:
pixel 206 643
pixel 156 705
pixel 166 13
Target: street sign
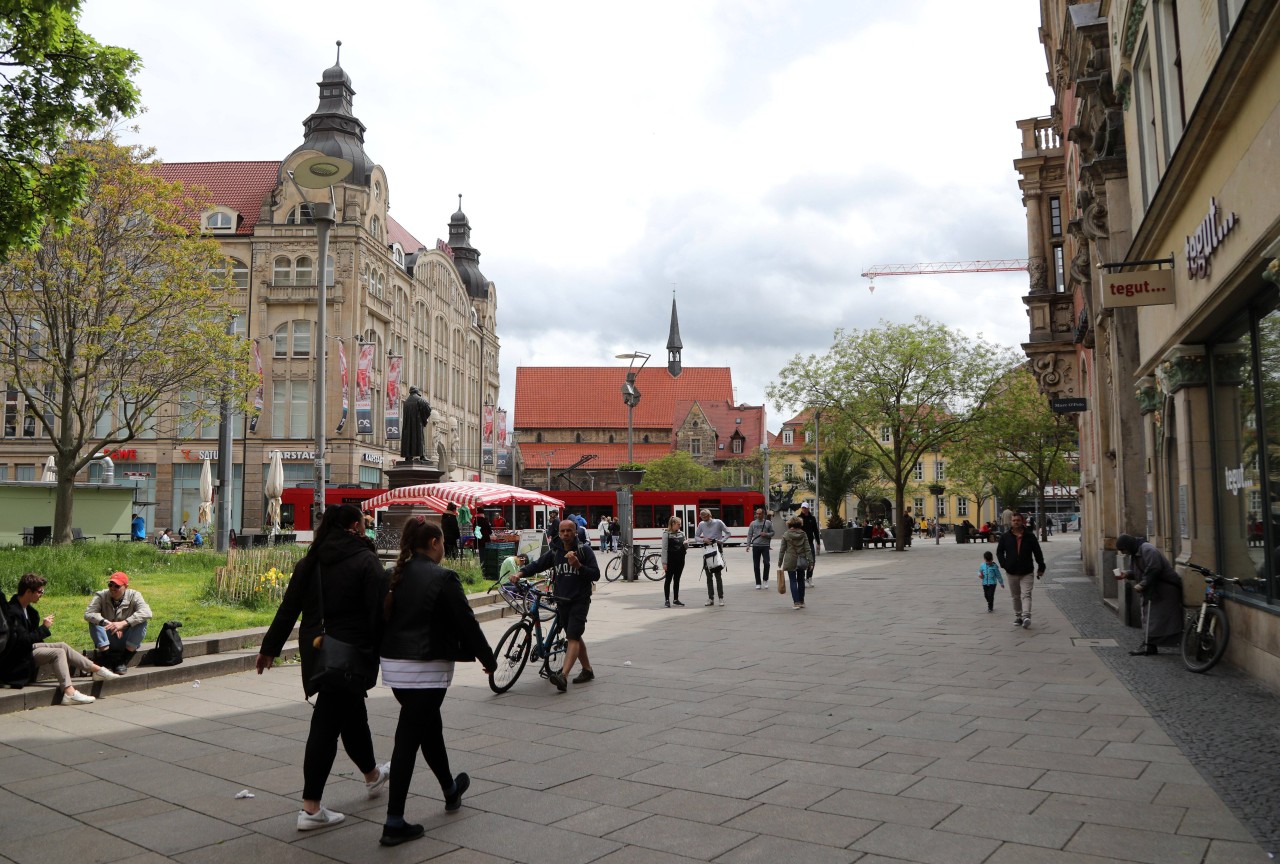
pixel 1068 406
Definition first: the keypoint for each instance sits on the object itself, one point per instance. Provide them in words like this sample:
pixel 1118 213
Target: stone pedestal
pixel 410 474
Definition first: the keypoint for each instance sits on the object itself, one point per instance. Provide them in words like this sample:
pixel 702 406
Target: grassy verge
pixel 178 586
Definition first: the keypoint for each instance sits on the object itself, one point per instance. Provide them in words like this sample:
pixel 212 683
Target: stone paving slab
pixel 883 723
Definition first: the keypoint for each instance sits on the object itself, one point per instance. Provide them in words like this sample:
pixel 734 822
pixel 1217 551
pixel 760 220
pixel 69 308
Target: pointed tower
pixel 333 129
pixel 465 256
pixel 673 342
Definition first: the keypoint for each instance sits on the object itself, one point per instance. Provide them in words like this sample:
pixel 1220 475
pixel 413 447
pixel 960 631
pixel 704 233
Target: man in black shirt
pixel 810 528
pixel 1015 552
pixel 574 568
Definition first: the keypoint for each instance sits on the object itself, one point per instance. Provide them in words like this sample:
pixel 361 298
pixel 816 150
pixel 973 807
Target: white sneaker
pixel 75 697
pixel 375 786
pixel 322 818
pixel 102 673
pixel 721 601
pixel 1026 623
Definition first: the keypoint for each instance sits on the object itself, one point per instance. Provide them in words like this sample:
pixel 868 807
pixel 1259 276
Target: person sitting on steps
pixel 117 617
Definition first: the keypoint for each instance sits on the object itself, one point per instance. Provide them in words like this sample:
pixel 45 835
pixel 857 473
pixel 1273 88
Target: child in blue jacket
pixel 990 575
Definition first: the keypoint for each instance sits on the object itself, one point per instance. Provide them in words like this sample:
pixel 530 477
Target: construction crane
pixel 1003 265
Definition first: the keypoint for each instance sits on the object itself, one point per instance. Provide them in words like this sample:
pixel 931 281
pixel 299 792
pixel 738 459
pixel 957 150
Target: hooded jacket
pixel 431 619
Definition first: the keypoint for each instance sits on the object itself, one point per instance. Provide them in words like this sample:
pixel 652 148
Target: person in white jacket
pixel 117 617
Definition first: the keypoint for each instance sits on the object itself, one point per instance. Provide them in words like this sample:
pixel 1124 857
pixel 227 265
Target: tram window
pixel 644 515
pixel 661 515
pixel 712 504
pixel 286 514
pixel 733 515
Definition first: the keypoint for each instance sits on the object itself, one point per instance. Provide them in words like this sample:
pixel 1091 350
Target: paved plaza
pixel 893 719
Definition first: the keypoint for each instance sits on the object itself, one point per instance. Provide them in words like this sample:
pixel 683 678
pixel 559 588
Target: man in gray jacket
pixel 117 617
pixel 759 536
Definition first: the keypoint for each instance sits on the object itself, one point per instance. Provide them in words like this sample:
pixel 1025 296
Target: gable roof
pixel 590 397
pixel 242 186
pixel 397 233
pixel 608 456
pixel 726 418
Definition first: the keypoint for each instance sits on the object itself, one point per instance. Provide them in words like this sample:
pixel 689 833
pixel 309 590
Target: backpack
pixel 168 651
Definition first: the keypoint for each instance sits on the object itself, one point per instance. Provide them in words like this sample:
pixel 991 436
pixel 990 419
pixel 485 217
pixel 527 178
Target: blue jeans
pixel 796 578
pixel 131 640
pixel 758 552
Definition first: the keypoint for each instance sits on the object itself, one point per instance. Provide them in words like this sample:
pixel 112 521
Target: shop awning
pixel 474 495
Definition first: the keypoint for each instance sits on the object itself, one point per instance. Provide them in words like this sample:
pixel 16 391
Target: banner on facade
pixel 502 427
pixel 364 390
pixel 392 414
pixel 342 364
pixel 257 393
pixel 1145 288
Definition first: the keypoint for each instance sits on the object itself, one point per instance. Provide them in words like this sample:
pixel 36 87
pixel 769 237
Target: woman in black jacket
pixel 341 562
pixel 428 627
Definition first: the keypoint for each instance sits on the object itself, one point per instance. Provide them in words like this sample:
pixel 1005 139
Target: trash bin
pixel 962 533
pixel 855 537
pixel 495 553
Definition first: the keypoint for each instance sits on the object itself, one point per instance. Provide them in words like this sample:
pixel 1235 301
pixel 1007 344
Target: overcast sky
pixel 754 155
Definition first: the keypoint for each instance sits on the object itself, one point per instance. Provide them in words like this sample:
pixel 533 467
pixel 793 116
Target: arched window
pixel 610 439
pixel 300 215
pixel 375 227
pixel 293 339
pixel 328 270
pixel 577 438
pixel 537 438
pixel 302 272
pixel 382 283
pixel 365 278
pixel 644 440
pixel 239 273
pixel 282 271
pixel 219 221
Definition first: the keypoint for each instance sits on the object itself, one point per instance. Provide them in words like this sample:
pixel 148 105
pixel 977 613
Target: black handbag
pixel 340 667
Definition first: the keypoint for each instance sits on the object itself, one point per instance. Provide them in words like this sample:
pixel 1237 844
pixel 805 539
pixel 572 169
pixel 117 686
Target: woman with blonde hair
pixel 673 555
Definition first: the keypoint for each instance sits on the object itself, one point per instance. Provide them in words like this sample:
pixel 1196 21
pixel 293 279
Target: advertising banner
pixel 342 364
pixel 1145 288
pixel 257 393
pixel 502 427
pixel 392 414
pixel 364 390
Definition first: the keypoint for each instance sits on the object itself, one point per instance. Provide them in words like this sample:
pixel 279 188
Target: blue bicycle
pixel 525 639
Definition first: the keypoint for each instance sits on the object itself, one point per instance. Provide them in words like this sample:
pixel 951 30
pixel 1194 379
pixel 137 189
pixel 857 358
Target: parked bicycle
pixel 1205 636
pixel 525 639
pixel 648 563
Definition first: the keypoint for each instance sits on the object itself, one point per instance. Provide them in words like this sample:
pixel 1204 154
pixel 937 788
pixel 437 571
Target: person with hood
pixel 429 627
pixel 796 557
pixel 809 524
pixel 1160 587
pixel 342 568
pixel 573 568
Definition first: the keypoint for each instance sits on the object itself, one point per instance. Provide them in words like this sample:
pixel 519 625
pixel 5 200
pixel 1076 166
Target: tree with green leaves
pixel 677 471
pixel 896 391
pixel 111 321
pixel 58 84
pixel 842 471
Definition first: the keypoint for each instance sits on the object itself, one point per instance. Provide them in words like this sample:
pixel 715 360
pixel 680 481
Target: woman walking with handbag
pixel 428 627
pixel 336 587
pixel 796 560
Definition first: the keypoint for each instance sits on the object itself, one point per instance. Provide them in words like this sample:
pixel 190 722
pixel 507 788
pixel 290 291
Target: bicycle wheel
pixel 512 653
pixel 613 572
pixel 652 567
pixel 1202 648
pixel 553 658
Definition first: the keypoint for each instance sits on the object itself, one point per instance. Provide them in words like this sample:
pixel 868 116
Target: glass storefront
pixel 1245 377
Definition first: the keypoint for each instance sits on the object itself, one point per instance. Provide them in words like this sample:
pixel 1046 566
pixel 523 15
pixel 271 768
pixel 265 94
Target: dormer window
pixel 219 220
pixel 397 253
pixel 788 437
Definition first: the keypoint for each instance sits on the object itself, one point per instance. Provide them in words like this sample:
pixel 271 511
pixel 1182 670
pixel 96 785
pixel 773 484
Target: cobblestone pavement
pixel 1228 726
pixel 892 720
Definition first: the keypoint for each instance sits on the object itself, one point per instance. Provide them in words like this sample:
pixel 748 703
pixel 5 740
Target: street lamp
pixel 318 171
pixel 631 396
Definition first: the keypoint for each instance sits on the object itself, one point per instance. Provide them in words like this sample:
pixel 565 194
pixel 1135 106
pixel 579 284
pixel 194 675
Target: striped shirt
pixel 416 674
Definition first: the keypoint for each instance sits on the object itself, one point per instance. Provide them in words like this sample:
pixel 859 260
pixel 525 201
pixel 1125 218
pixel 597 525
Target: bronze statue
pixel 413 424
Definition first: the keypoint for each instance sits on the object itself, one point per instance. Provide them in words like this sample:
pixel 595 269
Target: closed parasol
pixel 205 514
pixel 273 489
pixel 50 472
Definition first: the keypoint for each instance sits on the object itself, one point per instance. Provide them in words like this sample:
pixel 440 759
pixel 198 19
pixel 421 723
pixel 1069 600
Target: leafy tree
pixel 972 469
pixel 677 471
pixel 114 319
pixel 842 471
pixel 58 83
pixel 896 391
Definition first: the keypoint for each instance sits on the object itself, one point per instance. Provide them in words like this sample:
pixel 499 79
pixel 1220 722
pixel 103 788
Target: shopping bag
pixel 782 581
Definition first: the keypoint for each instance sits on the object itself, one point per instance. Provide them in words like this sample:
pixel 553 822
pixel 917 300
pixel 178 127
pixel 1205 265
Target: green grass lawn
pixel 177 586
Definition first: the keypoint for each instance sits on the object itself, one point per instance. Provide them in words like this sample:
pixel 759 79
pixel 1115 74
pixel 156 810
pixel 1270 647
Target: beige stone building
pixel 1162 153
pixel 392 299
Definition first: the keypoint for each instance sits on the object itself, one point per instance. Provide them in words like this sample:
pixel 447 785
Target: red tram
pixel 295 503
pixel 652 510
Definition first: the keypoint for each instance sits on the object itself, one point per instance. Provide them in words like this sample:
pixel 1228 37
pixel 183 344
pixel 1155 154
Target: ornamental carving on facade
pixel 1148 395
pixel 1054 372
pixel 1038 274
pixel 1184 366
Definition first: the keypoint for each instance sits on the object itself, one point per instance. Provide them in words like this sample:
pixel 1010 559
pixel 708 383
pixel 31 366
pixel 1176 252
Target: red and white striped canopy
pixel 474 495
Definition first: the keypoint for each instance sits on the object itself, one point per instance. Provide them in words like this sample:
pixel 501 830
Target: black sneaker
pixel 461 784
pixel 558 679
pixel 676 603
pixel 403 834
pixel 584 676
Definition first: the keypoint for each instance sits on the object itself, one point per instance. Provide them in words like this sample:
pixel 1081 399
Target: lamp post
pixel 817 466
pixel 631 397
pixel 318 171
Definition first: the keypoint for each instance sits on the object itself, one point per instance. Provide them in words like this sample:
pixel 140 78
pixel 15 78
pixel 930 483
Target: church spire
pixel 673 342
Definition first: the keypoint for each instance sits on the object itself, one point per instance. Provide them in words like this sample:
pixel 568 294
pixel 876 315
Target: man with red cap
pixel 117 617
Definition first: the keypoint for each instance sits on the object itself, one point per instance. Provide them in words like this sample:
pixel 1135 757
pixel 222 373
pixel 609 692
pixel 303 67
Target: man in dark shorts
pixel 574 568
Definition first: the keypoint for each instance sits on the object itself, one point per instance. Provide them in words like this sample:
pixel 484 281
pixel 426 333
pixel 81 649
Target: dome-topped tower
pixel 465 256
pixel 332 129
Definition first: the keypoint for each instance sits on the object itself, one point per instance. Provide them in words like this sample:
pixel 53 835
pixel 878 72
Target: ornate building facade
pixel 393 303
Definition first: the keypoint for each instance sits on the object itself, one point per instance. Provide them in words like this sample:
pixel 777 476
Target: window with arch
pixel 282 271
pixel 377 191
pixel 397 254
pixel 382 283
pixel 300 215
pixel 644 440
pixel 293 339
pixel 375 227
pixel 219 221
pixel 365 279
pixel 610 439
pixel 303 271
pixel 239 272
pixel 577 438
pixel 329 268
pixel 537 438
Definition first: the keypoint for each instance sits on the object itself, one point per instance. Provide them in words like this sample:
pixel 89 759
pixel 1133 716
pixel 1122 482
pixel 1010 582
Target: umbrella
pixel 407 495
pixel 50 472
pixel 273 489
pixel 205 514
pixel 474 495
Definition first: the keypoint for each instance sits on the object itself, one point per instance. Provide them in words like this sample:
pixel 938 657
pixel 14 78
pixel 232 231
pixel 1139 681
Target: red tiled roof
pixel 242 186
pixel 590 397
pixel 608 456
pixel 397 233
pixel 723 417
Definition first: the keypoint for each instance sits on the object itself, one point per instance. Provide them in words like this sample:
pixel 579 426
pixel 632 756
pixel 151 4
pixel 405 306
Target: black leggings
pixel 420 726
pixel 674 570
pixel 335 714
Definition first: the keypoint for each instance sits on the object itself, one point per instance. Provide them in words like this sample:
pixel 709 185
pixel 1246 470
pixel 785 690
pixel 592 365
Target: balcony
pixel 287 292
pixel 1039 137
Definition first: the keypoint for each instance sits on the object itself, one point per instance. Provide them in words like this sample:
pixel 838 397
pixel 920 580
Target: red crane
pixel 1004 265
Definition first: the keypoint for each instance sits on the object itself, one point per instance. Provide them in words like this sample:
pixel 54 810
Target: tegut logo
pixel 1235 479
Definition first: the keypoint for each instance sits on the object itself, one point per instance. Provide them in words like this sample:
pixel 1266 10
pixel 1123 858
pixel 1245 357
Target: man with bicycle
pixel 573 568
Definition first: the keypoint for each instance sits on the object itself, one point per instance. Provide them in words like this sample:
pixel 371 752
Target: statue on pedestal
pixel 413 425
